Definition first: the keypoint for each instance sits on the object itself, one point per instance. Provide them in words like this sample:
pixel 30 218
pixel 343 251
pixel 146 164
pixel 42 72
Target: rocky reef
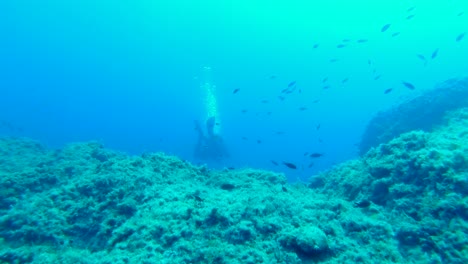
pixel 424 112
pixel 404 201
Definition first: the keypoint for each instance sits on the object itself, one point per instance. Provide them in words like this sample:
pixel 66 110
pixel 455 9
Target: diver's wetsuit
pixel 211 146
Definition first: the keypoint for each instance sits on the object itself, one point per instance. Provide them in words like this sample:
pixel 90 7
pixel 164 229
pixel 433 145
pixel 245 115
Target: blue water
pixel 129 73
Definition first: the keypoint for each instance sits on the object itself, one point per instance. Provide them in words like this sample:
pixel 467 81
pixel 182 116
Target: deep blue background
pixel 128 74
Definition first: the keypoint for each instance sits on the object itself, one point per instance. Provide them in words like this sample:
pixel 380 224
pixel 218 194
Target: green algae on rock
pixel 88 204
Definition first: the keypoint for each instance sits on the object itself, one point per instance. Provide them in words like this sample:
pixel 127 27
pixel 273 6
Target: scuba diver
pixel 210 147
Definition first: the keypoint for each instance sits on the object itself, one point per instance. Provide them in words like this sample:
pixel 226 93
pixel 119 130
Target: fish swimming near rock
pixel 316 155
pixel 409 85
pixel 290 165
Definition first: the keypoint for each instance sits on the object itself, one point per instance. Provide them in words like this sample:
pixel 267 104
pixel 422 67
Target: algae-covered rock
pixel 424 112
pixel 402 202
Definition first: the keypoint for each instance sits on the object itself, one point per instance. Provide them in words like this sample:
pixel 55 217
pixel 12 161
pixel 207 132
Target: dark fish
pixel 345 80
pixel 291 84
pixel 326 87
pixel 284 189
pixel 245 138
pixel 235 91
pixel 274 162
pixel 409 17
pixel 388 90
pixel 317 127
pixel 362 40
pixel 325 79
pixel 265 101
pixel 377 77
pixel 369 62
pixel 410 9
pixel 460 37
pixel 290 165
pixel 259 141
pixel 306 153
pixel 395 34
pixel 460 14
pixel 244 111
pixel 316 155
pixel 434 53
pixel 302 108
pixel 269 113
pixel 362 203
pixel 316 101
pixel 310 165
pixel 409 85
pixel 385 28
pixel 281 98
pixel 272 77
pixel 340 46
pixel 346 40
pixel 333 60
pixel 315 46
pixel 284 90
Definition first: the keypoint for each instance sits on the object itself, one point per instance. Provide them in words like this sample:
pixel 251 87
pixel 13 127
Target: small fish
pixel 395 34
pixel 274 162
pixel 272 77
pixel 460 14
pixel 245 138
pixel 284 189
pixel 291 84
pixel 421 57
pixel 333 60
pixel 265 101
pixel 315 46
pixel 316 101
pixel 281 98
pixel 460 37
pixel 302 108
pixel 306 153
pixel 290 165
pixel 410 9
pixel 326 87
pixel 385 27
pixel 409 85
pixel 244 111
pixel 340 46
pixel 310 165
pixel 269 113
pixel 362 203
pixel 434 53
pixel 235 91
pixel 279 132
pixel 409 17
pixel 345 80
pixel 388 90
pixel 325 79
pixel 362 40
pixel 259 141
pixel 377 77
pixel 316 155
pixel 317 127
pixel 346 40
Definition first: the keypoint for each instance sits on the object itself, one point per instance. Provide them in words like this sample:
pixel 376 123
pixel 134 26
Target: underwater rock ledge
pixel 402 202
pixel 421 113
